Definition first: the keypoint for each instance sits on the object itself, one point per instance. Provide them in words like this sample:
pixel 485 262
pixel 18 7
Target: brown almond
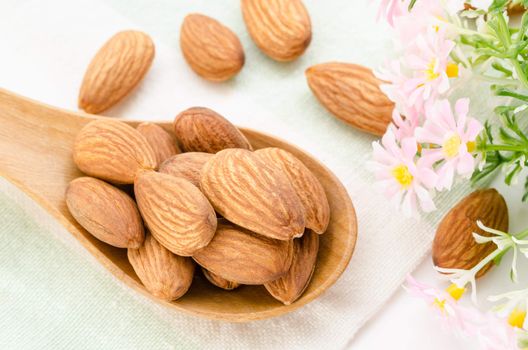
pixel 454 246
pixel 308 188
pixel 162 143
pixel 242 256
pixel 115 70
pixel 200 129
pixel 251 193
pixel 105 211
pixel 211 49
pixel 219 281
pixel 186 165
pixel 165 275
pixel 281 28
pixel 113 151
pixel 352 93
pixel 175 211
pixel 292 285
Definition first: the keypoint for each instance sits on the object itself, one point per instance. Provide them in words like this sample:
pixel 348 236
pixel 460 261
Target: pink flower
pixel 452 140
pixel 494 333
pixel 400 177
pixel 390 9
pixel 444 303
pixel 423 74
pixel 428 61
pixel 404 126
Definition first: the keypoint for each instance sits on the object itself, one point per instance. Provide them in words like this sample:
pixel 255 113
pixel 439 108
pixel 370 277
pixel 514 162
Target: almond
pixel 291 286
pixel 115 70
pixel 280 28
pixel 200 129
pixel 165 275
pixel 211 49
pixel 105 211
pixel 352 93
pixel 219 281
pixel 163 144
pixel 175 211
pixel 239 255
pixel 251 193
pixel 186 165
pixel 113 151
pixel 454 245
pixel 308 188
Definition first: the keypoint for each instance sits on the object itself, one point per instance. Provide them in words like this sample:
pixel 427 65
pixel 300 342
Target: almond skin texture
pixel 106 212
pixel 115 70
pixel 175 211
pixel 211 49
pixel 454 245
pixel 291 286
pixel 308 188
pixel 239 255
pixel 165 275
pixel 280 28
pixel 219 281
pixel 352 93
pixel 163 144
pixel 253 194
pixel 113 151
pixel 200 129
pixel 186 165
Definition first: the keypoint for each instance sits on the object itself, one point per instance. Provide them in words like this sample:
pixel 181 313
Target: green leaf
pixel 498 5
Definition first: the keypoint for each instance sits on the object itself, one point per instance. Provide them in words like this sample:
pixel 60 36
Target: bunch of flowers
pixel 434 139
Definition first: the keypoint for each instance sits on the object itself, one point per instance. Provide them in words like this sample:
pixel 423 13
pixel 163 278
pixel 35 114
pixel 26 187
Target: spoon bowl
pixel 36 142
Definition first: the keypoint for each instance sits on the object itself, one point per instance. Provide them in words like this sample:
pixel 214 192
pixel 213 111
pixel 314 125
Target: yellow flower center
pixel 439 304
pixel 452 70
pixel 471 146
pixel 451 146
pixel 430 71
pixel 436 26
pixel 517 318
pixel 403 176
pixel 455 291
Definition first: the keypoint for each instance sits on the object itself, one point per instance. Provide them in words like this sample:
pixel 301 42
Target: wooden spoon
pixel 35 154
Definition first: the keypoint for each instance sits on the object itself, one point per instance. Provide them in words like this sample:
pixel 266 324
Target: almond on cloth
pixel 113 151
pixel 162 143
pixel 165 275
pixel 253 194
pixel 352 93
pixel 106 212
pixel 308 188
pixel 242 256
pixel 115 70
pixel 200 129
pixel 291 286
pixel 454 245
pixel 177 214
pixel 280 28
pixel 211 49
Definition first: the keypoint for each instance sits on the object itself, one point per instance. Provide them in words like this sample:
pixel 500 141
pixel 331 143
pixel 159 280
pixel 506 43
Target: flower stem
pixel 509 148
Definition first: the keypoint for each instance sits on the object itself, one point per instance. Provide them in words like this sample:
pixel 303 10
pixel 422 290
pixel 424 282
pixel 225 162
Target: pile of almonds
pixel 202 196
